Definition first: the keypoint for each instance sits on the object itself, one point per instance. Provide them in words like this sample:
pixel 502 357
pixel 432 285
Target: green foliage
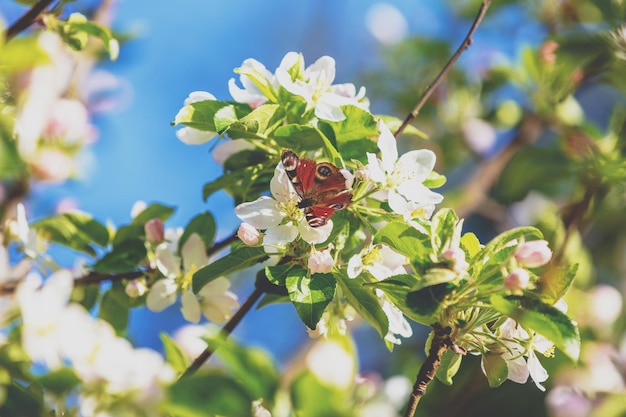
pixel 310 294
pixel 173 354
pixel 239 258
pixel 76 230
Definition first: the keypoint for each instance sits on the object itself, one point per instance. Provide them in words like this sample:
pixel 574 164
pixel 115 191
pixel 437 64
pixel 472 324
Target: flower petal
pixel 418 164
pixel 194 253
pixel 196 96
pixel 280 235
pixel 161 295
pixel 419 193
pixel 190 306
pixel 375 169
pixel 315 235
pixel 167 262
pixel 228 148
pixel 261 213
pixel 388 147
pixel 281 187
pixel 192 136
pixel 355 266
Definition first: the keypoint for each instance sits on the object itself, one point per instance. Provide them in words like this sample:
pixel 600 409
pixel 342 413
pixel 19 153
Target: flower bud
pixel 249 234
pixel 321 262
pixel 154 231
pixel 136 288
pixel 457 257
pixel 517 280
pixel 533 254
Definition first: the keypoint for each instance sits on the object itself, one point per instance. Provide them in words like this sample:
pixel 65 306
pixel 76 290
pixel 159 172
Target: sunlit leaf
pixel 240 258
pixel 364 301
pixel 495 368
pixel 450 364
pixel 173 354
pixel 310 295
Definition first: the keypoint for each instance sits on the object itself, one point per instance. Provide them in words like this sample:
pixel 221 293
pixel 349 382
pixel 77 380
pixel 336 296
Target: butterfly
pixel 320 186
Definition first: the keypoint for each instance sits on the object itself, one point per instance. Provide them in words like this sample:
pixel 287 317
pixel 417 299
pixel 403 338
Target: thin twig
pixel 217 246
pixel 429 90
pixel 226 330
pixel 27 19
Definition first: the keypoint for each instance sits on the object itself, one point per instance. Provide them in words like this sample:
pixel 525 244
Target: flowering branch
pixel 27 19
pixel 226 330
pixel 429 90
pixel 440 343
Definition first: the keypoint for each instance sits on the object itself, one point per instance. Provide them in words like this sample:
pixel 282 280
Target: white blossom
pixel 190 135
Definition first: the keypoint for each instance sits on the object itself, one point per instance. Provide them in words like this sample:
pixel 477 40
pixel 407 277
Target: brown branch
pixel 217 246
pixel 440 343
pixel 226 330
pixel 27 19
pixel 429 90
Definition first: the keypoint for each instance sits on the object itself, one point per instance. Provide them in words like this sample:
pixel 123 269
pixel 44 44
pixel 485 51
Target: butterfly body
pixel 321 187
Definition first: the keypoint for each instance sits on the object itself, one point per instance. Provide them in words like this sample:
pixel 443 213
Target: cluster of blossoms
pixel 313 84
pixel 53 106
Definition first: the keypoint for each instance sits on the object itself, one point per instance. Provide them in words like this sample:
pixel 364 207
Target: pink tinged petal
pixel 228 148
pixel 315 235
pixel 190 307
pixel 248 234
pixel 280 235
pixel 375 169
pixel 192 136
pixel 161 295
pixel 518 370
pixel 167 262
pixel 533 254
pixel 388 147
pixel 321 262
pixel 261 213
pixel 194 253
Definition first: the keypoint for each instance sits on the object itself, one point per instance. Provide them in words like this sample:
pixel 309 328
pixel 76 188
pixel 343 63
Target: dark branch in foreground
pixel 440 343
pixel 27 19
pixel 429 90
pixel 226 330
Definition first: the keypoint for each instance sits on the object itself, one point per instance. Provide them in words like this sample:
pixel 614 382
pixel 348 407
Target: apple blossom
pixel 136 288
pixel 280 216
pixel 69 121
pixel 253 73
pixel 381 261
pixel 533 254
pixel 314 84
pixel 190 135
pixel 401 179
pixel 331 363
pixel 230 147
pixel 457 257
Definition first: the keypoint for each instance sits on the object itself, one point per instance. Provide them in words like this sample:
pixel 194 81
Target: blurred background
pixel 528 128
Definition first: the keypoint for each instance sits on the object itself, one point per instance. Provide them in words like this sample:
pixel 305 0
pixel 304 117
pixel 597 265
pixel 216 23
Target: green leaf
pixel 22 401
pixel 173 354
pixel 75 25
pixel 278 274
pixel 299 137
pixel 443 225
pixel 423 305
pixel 555 281
pixel 543 318
pixel 310 295
pixel 13 58
pixel 364 301
pixel 434 276
pixel 407 240
pixel 502 242
pixel 114 310
pixel 125 256
pixel 312 398
pixel 201 114
pixel 612 405
pixel 223 118
pixel 60 381
pixel 435 180
pixel 208 393
pixel 153 211
pixel 470 244
pixel 76 230
pixel 353 136
pixel 240 258
pixel 393 123
pixel 450 364
pixel 203 225
pixel 85 295
pixel 495 368
pixel 252 367
pixel 258 123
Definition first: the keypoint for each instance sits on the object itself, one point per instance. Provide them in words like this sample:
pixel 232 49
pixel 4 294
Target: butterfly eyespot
pixel 324 171
pixel 337 206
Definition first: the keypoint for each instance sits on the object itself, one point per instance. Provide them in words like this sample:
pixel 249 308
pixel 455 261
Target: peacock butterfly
pixel 321 187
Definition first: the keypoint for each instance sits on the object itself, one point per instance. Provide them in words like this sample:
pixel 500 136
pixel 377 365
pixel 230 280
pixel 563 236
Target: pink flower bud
pixel 518 279
pixel 136 288
pixel 533 254
pixel 249 234
pixel 457 257
pixel 154 231
pixel 321 262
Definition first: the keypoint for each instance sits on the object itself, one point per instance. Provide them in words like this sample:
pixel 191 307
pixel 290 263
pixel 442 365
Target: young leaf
pixel 208 393
pixel 113 310
pixel 543 318
pixel 443 227
pixel 278 274
pixel 405 239
pixel 78 231
pixel 258 123
pixel 60 381
pixel 173 354
pixel 500 243
pixel 450 364
pixel 201 114
pixel 495 369
pixel 310 295
pixel 364 301
pixel 240 258
pixel 299 137
pixel 124 257
pixel 555 282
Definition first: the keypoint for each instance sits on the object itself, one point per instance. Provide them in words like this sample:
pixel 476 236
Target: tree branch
pixel 440 343
pixel 226 330
pixel 429 90
pixel 27 19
